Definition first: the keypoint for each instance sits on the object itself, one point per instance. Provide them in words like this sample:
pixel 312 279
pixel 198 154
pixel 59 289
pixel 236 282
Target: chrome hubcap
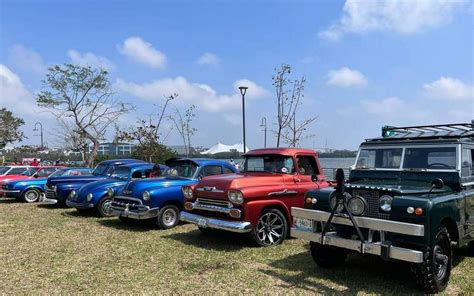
pixel 31 195
pixel 169 217
pixel 106 206
pixel 270 229
pixel 440 262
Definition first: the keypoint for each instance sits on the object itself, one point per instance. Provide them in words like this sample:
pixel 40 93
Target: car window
pixel 122 173
pixel 16 171
pixel 430 158
pixel 227 170
pixel 269 163
pixel 30 172
pixel 379 158
pixel 100 170
pixel 211 170
pixel 466 162
pixel 185 169
pixel 3 170
pixel 307 165
pixel 45 172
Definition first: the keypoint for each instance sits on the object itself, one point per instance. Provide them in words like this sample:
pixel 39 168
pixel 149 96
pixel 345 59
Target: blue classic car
pixel 161 199
pixel 58 188
pixel 95 195
pixel 30 190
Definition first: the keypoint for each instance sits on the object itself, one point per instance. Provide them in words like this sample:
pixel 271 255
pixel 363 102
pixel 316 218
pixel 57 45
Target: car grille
pixel 132 203
pixel 372 198
pixel 50 194
pixel 214 202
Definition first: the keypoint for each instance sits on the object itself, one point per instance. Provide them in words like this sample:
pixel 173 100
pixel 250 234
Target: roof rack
pixel 452 129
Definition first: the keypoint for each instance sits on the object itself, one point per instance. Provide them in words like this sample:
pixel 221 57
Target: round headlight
pixel 333 202
pixel 356 205
pixel 385 203
pixel 110 191
pixel 235 196
pixel 72 194
pixel 187 192
pixel 146 196
pixel 89 196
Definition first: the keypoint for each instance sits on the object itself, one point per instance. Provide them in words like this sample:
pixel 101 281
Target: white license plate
pixel 202 222
pixel 303 223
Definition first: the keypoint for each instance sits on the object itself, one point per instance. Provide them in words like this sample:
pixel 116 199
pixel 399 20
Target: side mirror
pixel 437 183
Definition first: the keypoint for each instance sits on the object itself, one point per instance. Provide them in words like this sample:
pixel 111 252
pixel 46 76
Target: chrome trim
pixel 467 184
pixel 284 192
pixel 332 239
pixel 46 200
pixel 78 205
pixel 205 222
pixel 363 222
pixel 9 191
pixel 144 214
pixel 209 189
pixel 210 208
pixel 129 198
pixel 214 202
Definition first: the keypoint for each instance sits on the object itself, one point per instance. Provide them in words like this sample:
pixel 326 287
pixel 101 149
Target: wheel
pixel 102 208
pixel 168 217
pixel 433 274
pixel 271 228
pixel 326 256
pixel 31 195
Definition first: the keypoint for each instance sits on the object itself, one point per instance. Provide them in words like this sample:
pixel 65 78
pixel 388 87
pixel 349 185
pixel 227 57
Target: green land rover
pixel 409 197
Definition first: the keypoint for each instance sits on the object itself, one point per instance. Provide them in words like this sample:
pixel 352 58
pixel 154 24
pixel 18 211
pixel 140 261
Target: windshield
pixel 120 173
pixel 61 172
pixel 3 170
pixel 29 172
pixel 269 163
pixel 181 169
pixel 437 158
pixel 100 170
pixel 379 158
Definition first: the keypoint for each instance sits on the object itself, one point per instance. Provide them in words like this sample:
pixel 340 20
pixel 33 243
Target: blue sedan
pixel 161 199
pixel 93 196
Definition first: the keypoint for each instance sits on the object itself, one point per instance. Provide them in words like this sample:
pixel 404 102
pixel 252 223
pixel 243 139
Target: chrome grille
pixel 372 198
pixel 50 194
pixel 214 202
pixel 122 202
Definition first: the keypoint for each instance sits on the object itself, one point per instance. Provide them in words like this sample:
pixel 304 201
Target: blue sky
pixel 366 63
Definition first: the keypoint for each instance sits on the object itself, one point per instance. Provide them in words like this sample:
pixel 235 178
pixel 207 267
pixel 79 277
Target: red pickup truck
pixel 259 198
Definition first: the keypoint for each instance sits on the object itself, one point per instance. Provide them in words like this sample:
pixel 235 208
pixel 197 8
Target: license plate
pixel 202 222
pixel 303 223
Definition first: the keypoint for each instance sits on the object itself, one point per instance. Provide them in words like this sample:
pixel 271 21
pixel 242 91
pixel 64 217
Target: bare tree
pixel 183 126
pixel 147 133
pixel 293 134
pixel 70 138
pixel 84 95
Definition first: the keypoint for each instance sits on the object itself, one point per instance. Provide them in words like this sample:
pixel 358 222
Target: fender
pixel 253 209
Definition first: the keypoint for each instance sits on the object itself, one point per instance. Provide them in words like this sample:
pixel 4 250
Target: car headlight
pixel 110 191
pixel 55 188
pixel 356 205
pixel 235 196
pixel 385 203
pixel 187 192
pixel 72 194
pixel 146 196
pixel 333 202
pixel 89 196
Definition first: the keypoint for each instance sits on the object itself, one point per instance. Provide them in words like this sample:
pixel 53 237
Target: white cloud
pixel 403 17
pixel 209 59
pixel 383 106
pixel 140 51
pixel 90 59
pixel 202 95
pixel 233 119
pixel 13 94
pixel 346 77
pixel 26 59
pixel 449 89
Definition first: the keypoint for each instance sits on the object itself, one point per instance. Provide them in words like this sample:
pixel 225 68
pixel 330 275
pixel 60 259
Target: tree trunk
pixel 93 154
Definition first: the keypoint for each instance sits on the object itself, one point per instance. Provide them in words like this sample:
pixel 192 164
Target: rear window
pixel 436 158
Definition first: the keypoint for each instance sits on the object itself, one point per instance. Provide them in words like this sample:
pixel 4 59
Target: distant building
pixel 115 149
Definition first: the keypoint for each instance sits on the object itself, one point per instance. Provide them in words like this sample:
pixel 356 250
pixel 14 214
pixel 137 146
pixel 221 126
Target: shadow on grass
pixel 359 274
pixel 130 225
pixel 8 200
pixel 215 240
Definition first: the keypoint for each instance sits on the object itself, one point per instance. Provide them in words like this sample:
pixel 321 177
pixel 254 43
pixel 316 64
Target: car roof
pixel 118 161
pixel 199 161
pixel 280 151
pixel 136 165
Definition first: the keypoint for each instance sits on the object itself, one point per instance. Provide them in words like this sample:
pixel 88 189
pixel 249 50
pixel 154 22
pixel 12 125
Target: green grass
pixel 47 250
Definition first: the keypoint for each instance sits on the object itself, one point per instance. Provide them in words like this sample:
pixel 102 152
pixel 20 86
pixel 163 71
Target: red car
pixel 259 198
pixel 25 172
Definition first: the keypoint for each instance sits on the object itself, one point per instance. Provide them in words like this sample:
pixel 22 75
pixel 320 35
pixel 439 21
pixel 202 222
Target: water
pixel 334 163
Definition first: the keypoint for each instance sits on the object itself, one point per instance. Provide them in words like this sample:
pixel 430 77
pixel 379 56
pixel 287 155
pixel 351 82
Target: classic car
pixel 409 197
pixel 258 199
pixel 57 189
pixel 95 195
pixel 30 190
pixel 161 199
pixel 32 171
pixel 12 170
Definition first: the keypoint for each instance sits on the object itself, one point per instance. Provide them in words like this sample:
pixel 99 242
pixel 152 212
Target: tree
pixel 183 126
pixel 10 128
pixel 147 135
pixel 83 97
pixel 289 94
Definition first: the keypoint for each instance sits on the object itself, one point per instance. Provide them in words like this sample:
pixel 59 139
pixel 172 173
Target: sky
pixel 367 63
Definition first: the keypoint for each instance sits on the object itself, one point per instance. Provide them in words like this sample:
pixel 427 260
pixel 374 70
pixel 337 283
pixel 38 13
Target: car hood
pixel 9 178
pixel 29 181
pixel 73 179
pixel 242 180
pixel 167 181
pixel 398 187
pixel 100 185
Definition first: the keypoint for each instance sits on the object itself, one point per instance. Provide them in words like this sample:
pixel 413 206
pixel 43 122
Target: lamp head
pixel 243 89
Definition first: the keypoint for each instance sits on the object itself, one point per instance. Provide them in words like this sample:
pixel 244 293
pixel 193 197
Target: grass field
pixel 46 250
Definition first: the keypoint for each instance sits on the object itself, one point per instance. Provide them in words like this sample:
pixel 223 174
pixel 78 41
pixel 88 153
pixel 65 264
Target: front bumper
pixel 79 205
pixel 10 193
pixel 132 208
pixel 45 200
pixel 380 248
pixel 205 222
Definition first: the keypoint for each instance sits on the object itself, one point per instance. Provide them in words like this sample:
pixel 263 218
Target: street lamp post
pixel 243 90
pixel 41 132
pixel 264 125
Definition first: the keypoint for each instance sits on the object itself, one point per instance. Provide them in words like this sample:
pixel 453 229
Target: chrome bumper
pixel 79 205
pixel 139 215
pixel 45 200
pixel 366 247
pixel 206 222
pixel 9 191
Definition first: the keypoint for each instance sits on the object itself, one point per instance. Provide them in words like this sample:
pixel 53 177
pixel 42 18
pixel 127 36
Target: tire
pixel 326 256
pixel 168 217
pixel 433 274
pixel 31 195
pixel 101 207
pixel 271 228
